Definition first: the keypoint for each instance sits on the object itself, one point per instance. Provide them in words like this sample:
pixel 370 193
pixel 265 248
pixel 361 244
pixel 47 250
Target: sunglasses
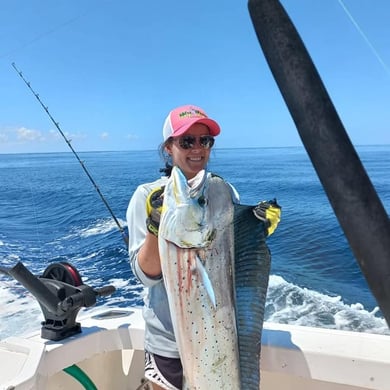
pixel 189 141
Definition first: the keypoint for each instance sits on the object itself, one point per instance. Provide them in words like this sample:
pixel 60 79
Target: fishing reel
pixel 61 294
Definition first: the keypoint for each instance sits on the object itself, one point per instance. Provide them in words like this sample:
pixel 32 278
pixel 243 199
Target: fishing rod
pixel 56 124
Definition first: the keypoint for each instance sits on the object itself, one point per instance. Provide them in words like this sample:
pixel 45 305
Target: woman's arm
pixel 143 246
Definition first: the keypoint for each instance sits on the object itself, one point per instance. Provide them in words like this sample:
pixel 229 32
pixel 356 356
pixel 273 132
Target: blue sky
pixel 110 71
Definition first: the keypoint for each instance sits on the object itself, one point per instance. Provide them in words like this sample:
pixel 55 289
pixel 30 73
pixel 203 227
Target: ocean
pixel 51 212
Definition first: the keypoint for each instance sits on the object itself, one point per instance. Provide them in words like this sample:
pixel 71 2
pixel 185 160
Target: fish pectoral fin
pixel 206 281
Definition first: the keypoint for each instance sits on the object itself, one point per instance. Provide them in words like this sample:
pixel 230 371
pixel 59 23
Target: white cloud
pixel 23 139
pixel 3 137
pixel 104 135
pixel 24 134
pixel 55 134
pixel 131 137
pixel 75 136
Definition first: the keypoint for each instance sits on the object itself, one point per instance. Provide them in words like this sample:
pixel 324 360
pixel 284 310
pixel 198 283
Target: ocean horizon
pixel 66 150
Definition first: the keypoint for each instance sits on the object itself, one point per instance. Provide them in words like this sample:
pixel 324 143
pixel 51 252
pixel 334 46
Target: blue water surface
pixel 50 211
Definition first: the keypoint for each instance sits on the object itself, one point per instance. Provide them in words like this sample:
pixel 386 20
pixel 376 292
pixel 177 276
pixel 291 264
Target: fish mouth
pixel 197 183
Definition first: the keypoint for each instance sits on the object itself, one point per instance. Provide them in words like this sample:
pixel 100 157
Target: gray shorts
pixel 165 372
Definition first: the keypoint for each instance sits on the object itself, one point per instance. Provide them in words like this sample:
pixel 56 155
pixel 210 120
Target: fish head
pixel 185 218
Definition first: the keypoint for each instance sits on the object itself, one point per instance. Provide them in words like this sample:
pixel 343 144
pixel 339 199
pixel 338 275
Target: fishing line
pixel 56 124
pixel 44 34
pixel 364 36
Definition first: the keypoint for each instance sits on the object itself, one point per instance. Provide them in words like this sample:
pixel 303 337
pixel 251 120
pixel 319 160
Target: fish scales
pixel 197 248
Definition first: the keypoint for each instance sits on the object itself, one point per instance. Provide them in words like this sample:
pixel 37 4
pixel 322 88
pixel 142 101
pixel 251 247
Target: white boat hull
pixel 110 352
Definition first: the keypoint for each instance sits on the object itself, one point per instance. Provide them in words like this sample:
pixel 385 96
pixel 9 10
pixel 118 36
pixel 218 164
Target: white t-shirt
pixel 159 336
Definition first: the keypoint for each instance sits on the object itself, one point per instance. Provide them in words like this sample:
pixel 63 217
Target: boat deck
pixel 110 351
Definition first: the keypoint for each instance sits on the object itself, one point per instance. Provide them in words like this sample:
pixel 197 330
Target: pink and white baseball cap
pixel 182 118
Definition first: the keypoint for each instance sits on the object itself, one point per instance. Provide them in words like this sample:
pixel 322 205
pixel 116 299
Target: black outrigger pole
pixel 56 124
pixel 354 200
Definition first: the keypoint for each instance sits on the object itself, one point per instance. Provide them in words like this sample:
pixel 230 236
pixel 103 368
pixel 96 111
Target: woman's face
pixel 194 159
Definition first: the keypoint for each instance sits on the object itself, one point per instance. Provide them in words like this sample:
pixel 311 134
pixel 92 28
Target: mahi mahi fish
pixel 215 266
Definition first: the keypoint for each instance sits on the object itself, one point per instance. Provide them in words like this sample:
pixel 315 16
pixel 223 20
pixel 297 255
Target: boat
pixel 109 353
pixel 106 349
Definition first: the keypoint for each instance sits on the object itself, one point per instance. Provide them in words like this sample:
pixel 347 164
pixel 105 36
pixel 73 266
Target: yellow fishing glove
pixel 154 203
pixel 268 212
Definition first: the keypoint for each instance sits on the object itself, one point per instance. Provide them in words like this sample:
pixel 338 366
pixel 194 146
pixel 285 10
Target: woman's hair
pixel 166 157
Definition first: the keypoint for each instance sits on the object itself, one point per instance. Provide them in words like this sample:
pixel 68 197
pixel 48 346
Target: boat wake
pixel 286 303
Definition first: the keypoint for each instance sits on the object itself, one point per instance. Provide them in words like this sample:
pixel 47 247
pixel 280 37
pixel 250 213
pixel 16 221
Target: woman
pixel 188 138
pixel 188 135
